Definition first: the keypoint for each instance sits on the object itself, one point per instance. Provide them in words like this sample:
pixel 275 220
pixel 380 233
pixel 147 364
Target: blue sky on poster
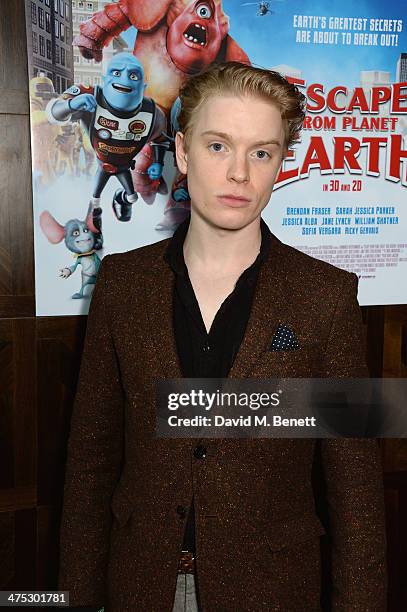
pixel 274 41
pixel 270 40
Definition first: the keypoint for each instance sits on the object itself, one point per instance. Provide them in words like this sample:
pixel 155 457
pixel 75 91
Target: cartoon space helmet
pixel 42 87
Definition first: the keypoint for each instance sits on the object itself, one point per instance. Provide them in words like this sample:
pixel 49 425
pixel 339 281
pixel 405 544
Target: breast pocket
pixel 299 363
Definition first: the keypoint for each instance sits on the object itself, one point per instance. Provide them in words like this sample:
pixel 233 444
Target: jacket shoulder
pixel 310 268
pixel 136 262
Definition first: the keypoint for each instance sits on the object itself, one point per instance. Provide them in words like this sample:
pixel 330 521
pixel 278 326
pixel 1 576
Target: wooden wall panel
pixel 16 195
pixel 18 480
pixel 394 350
pixel 25 550
pixel 16 219
pixel 13 55
pixel 7 548
pixel 25 408
pixel 59 346
pixel 48 523
pixel 18 434
pixel 6 406
pixel 373 318
pixel 396 512
pixel 40 357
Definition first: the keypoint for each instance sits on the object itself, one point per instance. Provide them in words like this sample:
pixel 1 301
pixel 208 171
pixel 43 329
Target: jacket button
pixel 200 452
pixel 181 511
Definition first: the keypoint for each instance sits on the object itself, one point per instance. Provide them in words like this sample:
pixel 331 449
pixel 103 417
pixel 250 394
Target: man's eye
pixel 216 146
pixel 262 154
pixel 134 77
pixel 116 73
pixel 204 12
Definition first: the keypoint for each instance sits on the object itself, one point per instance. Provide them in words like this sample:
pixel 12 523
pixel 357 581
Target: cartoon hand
pixel 85 102
pixel 90 54
pixel 180 195
pixel 155 171
pixel 88 47
pixel 65 272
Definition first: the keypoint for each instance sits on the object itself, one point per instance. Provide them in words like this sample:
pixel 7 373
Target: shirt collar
pixel 174 254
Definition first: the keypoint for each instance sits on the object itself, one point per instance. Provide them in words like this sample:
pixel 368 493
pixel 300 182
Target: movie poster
pixel 104 174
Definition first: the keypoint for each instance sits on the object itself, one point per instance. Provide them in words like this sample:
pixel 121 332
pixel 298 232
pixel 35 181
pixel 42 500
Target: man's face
pixel 233 158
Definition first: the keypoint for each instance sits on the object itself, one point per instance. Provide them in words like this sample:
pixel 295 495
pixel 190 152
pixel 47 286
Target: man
pixel 249 504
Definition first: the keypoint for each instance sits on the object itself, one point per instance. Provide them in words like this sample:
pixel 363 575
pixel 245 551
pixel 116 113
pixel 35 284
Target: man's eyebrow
pixel 273 141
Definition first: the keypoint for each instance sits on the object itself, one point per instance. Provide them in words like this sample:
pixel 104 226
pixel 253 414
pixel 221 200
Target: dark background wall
pixel 40 357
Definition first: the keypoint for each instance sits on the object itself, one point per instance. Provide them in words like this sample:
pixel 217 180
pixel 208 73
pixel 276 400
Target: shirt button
pixel 181 511
pixel 200 452
pixel 206 347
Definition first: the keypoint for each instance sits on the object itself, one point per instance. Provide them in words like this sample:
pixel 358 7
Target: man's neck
pixel 217 252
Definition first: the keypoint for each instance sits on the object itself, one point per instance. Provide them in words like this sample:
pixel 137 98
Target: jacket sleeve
pixel 353 476
pixel 94 458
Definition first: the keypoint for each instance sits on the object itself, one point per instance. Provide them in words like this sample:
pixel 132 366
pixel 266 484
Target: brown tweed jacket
pixel 258 534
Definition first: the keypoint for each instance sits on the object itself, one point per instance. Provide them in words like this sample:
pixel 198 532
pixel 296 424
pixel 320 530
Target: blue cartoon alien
pixel 120 121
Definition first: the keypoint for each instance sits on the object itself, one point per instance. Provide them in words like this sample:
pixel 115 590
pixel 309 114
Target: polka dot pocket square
pixel 284 339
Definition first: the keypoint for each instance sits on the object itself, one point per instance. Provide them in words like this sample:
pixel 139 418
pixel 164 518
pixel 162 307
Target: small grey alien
pixel 80 240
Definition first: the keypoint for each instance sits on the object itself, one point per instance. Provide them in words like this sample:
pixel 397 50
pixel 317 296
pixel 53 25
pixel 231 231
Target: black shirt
pixel 202 354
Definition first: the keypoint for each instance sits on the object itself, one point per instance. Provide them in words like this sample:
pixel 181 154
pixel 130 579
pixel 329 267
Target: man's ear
pixel 180 152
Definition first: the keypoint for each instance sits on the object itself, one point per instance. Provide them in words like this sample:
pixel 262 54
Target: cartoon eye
pixel 203 11
pixel 85 230
pixel 116 73
pixel 134 77
pixel 75 233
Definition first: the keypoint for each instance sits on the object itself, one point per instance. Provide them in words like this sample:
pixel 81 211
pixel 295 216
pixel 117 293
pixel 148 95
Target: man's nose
pixel 239 169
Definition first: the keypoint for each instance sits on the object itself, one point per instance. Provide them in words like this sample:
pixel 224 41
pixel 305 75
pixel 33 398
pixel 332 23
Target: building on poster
pixel 49 42
pixel 402 68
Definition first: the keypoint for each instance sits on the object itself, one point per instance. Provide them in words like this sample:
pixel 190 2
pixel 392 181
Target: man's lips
pixel 122 88
pixel 233 200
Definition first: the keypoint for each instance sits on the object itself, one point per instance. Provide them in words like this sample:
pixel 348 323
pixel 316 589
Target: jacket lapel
pixel 268 308
pixel 159 284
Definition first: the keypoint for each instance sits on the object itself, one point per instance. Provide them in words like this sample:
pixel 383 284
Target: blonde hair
pixel 235 78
